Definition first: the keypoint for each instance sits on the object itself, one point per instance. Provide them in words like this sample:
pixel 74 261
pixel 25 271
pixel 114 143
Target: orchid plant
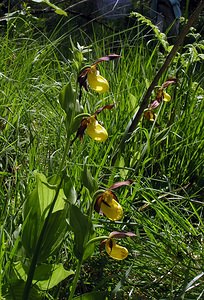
pixel 161 95
pixel 52 204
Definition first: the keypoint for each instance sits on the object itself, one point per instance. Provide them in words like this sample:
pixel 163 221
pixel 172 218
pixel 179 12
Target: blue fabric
pixel 176 8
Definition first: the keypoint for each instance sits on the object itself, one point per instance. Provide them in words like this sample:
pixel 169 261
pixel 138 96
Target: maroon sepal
pixel 102 245
pixel 108 106
pixel 118 234
pixel 110 243
pixel 168 82
pixel 82 78
pixel 121 183
pixel 82 128
pixel 107 58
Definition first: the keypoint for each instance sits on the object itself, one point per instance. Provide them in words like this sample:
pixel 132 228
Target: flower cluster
pixel 89 76
pixel 161 95
pixel 106 202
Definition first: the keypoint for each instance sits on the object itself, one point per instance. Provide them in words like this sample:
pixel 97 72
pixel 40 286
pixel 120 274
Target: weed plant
pixel 48 179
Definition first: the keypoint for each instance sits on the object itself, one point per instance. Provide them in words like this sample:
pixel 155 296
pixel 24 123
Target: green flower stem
pixel 96 239
pixel 67 145
pixel 78 268
pixel 75 280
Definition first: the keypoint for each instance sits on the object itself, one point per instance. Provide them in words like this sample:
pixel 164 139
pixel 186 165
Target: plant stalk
pixel 75 280
pixel 96 239
pixel 78 268
pixel 67 145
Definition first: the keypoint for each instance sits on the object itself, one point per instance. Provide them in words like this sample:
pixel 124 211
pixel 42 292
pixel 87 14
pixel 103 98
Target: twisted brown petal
pixel 121 183
pixel 108 106
pixel 168 82
pixel 106 58
pixel 119 234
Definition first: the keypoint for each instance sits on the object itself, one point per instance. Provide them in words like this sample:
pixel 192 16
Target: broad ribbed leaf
pixel 54 234
pixel 48 276
pixel 16 291
pixel 82 228
pixel 35 210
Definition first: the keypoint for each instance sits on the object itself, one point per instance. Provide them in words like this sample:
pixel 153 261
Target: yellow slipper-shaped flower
pixel 166 97
pixel 114 250
pixel 96 131
pixel 110 207
pixel 97 82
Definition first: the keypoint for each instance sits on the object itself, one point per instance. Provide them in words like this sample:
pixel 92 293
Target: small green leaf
pixel 60 11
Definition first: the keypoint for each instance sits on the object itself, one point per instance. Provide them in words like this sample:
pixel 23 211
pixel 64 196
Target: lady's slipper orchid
pixel 95 130
pixel 112 248
pixel 107 202
pixel 109 206
pixel 161 95
pixel 96 81
pixel 90 76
